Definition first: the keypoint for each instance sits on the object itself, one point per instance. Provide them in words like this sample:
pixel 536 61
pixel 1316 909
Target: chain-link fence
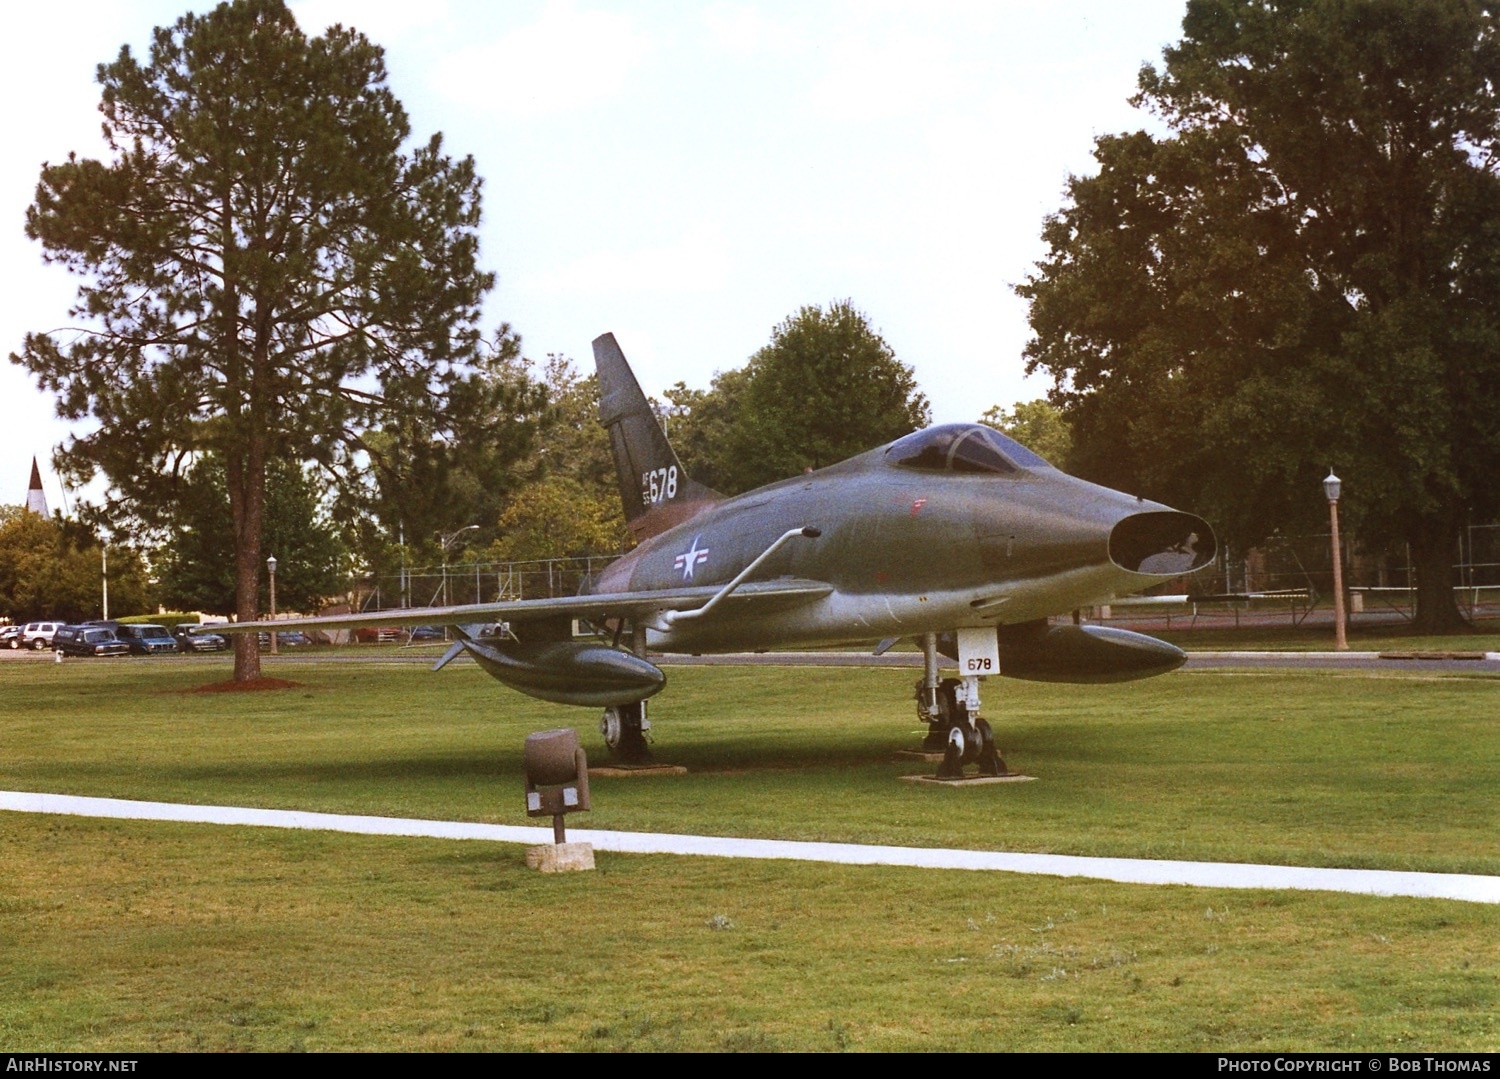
pixel 1294 575
pixel 479 582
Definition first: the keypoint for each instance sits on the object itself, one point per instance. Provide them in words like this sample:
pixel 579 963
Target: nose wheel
pixel 971 742
pixel 954 728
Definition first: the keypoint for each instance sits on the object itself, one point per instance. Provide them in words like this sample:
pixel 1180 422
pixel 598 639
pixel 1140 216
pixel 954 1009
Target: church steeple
pixel 36 500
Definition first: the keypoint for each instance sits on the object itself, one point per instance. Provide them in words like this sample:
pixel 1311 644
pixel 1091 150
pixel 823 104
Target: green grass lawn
pixel 139 935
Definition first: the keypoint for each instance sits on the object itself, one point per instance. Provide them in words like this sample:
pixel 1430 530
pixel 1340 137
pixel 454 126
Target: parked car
pixel 424 633
pixel 188 641
pixel 88 641
pixel 147 640
pixel 293 638
pixel 10 636
pixel 378 634
pixel 38 635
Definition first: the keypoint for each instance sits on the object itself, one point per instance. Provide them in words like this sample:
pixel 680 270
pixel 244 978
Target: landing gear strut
pixel 935 703
pixel 625 730
pixel 950 708
pixel 941 709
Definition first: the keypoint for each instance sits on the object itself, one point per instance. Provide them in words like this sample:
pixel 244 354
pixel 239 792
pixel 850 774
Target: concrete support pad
pixel 560 857
pixel 968 781
pixel 625 771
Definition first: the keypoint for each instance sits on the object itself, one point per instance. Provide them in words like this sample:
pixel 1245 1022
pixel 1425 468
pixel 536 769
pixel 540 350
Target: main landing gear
pixel 625 728
pixel 626 732
pixel 950 708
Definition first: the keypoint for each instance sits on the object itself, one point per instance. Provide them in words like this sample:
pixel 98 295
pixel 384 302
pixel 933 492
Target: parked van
pixel 146 640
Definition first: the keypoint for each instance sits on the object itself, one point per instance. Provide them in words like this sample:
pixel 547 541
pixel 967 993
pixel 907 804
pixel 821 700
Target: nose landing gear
pixel 950 708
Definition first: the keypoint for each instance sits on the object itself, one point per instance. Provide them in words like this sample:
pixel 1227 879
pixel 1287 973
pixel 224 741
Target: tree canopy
pixel 702 427
pixel 418 487
pixel 51 568
pixel 1038 425
pixel 571 505
pixel 559 517
pixel 1300 272
pixel 826 387
pixel 195 567
pixel 268 272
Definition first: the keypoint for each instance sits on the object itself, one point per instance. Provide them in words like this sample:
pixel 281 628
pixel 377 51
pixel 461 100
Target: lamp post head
pixel 271 564
pixel 447 538
pixel 1332 485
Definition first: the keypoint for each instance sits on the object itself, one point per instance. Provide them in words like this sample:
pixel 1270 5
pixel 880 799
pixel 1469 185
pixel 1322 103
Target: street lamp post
pixel 401 539
pixel 447 539
pixel 1332 486
pixel 271 568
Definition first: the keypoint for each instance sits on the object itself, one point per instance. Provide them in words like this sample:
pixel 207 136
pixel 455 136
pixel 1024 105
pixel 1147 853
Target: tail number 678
pixel 659 484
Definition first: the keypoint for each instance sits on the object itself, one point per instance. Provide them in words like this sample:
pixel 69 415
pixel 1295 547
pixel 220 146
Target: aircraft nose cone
pixel 1161 543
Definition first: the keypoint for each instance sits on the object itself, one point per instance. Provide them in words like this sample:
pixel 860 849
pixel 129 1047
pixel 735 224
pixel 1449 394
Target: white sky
pixel 685 175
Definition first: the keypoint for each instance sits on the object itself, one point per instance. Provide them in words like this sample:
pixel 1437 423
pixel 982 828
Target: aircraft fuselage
pixel 909 551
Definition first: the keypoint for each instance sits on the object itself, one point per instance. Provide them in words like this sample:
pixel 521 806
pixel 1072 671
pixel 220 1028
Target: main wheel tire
pixel 611 728
pixel 38 645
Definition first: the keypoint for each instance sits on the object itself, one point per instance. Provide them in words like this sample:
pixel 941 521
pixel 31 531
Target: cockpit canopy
pixel 962 447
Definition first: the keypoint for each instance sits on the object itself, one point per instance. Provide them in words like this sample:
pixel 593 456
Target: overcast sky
pixel 684 175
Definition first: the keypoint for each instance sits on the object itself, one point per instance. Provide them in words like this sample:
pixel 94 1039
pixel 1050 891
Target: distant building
pixel 36 500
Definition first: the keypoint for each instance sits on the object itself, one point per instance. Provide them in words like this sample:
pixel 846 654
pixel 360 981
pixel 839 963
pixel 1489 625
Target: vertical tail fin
pixel 653 486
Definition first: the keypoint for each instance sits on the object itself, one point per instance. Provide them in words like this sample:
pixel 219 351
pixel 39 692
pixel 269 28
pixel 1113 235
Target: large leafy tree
pixel 55 569
pixel 574 442
pixel 267 270
pixel 1303 270
pixel 827 387
pixel 560 517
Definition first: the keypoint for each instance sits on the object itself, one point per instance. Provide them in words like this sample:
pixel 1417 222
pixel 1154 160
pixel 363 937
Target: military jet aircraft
pixel 955 535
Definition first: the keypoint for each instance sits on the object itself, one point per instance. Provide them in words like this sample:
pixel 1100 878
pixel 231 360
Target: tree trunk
pixel 1433 542
pixel 247 495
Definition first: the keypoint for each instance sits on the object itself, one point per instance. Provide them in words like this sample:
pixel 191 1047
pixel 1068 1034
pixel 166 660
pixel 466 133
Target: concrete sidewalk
pixel 1467 887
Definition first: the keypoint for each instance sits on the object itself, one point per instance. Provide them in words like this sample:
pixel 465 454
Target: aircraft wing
pixel 758 595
